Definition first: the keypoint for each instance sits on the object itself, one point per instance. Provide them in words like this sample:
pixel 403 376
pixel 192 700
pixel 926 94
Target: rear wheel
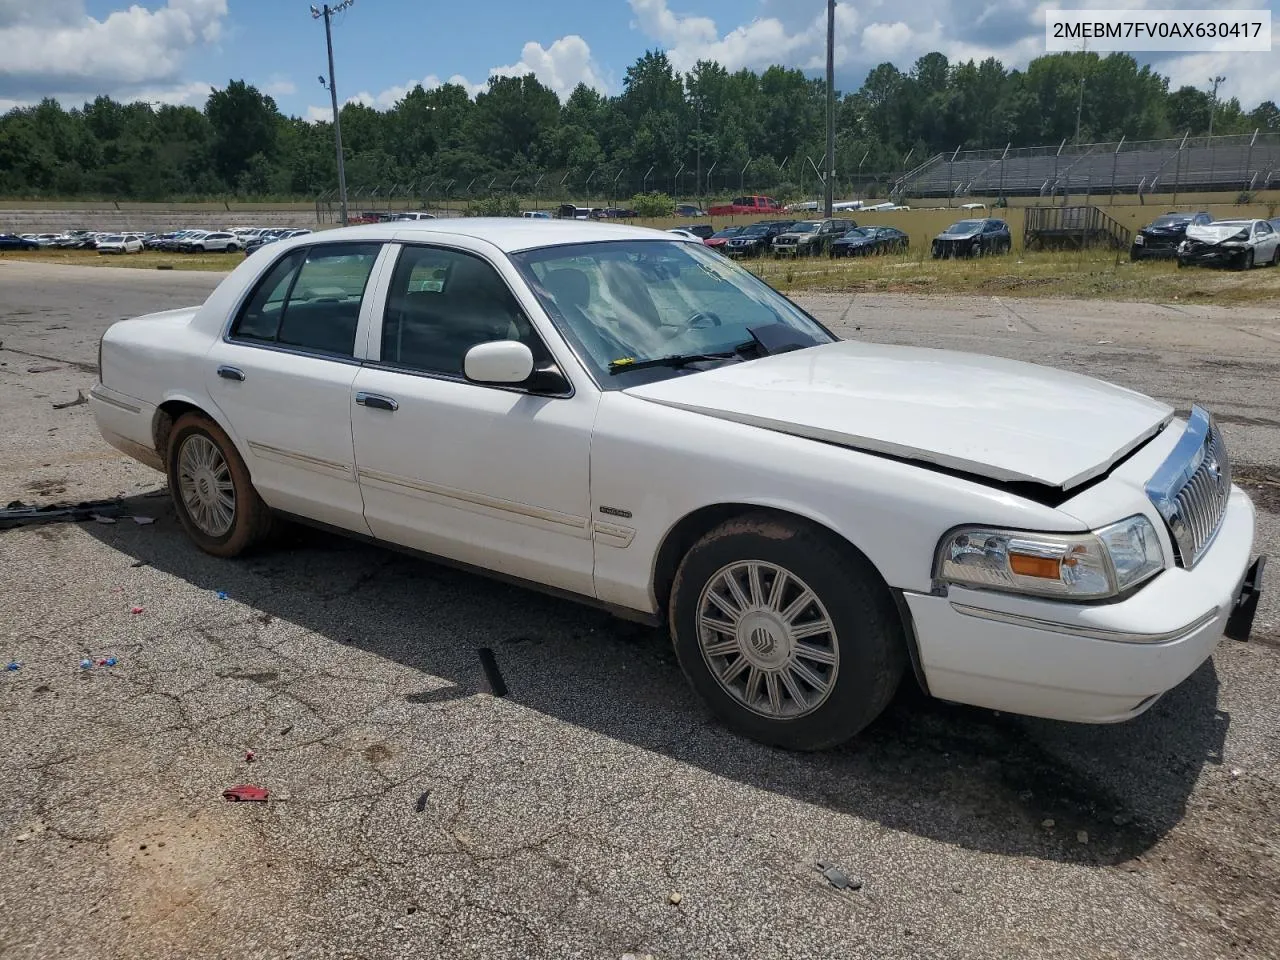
pixel 786 632
pixel 211 489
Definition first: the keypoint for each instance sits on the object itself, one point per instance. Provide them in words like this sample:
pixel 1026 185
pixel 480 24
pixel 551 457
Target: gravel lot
pixel 596 811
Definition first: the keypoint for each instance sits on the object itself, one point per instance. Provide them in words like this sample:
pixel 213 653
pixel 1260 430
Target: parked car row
pixel 232 240
pixel 796 238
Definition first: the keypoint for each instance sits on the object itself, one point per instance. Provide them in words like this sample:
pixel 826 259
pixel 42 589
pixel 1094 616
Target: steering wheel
pixel 693 320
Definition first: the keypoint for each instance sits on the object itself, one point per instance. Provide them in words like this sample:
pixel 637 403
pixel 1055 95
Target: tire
pixel 1181 263
pixel 865 638
pixel 230 248
pixel 1275 257
pixel 251 519
pixel 1246 261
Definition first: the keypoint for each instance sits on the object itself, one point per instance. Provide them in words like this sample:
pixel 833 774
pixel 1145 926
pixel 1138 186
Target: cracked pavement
pixel 413 814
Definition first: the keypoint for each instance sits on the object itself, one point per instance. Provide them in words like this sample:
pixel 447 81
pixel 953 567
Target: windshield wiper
pixel 674 360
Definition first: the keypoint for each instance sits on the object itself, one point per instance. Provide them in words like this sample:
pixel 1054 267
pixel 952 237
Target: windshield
pixel 1170 221
pixel 645 299
pixel 965 226
pixel 808 226
pixel 726 233
pixel 859 232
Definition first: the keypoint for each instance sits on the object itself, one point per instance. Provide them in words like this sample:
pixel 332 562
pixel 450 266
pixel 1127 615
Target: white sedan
pixel 627 418
pixel 1239 243
pixel 116 243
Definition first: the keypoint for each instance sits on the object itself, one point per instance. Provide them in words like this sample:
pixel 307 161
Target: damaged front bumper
pixel 1198 252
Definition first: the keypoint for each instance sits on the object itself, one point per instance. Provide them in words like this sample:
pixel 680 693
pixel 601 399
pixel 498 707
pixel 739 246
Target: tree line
pixel 665 131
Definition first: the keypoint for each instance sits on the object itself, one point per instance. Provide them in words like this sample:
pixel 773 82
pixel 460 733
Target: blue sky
pixel 174 50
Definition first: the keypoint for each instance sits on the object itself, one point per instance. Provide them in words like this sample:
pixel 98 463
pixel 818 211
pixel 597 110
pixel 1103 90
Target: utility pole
pixel 831 105
pixel 327 13
pixel 1080 98
pixel 1213 104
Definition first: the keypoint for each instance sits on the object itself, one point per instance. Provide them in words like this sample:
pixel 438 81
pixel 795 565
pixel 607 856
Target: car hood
pixel 1214 232
pixel 797 236
pixel 995 418
pixel 958 236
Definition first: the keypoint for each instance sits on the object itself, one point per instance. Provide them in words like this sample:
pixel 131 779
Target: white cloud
pixel 389 97
pixel 54 48
pixel 758 44
pixel 191 94
pixel 561 66
pixel 279 86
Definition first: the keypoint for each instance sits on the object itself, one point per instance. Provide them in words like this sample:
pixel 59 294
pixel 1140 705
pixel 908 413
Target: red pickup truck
pixel 746 205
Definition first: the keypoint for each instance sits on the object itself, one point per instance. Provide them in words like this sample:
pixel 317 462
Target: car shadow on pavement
pixel 975 778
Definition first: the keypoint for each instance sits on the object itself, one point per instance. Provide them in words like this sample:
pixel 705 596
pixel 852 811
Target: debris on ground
pixel 143 521
pixel 222 595
pixel 249 756
pixel 17 513
pixel 421 805
pixel 80 398
pixel 13 665
pixel 246 792
pixel 1082 836
pixel 43 368
pixel 86 664
pixel 1048 823
pixel 838 878
pixel 497 686
pixel 675 899
pixel 103 519
pixel 136 610
pixel 138 563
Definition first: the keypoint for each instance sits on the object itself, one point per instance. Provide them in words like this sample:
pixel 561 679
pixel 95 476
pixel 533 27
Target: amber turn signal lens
pixel 1045 568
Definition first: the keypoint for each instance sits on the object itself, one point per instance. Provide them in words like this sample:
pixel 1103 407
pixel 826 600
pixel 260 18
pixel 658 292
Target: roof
pixel 510 234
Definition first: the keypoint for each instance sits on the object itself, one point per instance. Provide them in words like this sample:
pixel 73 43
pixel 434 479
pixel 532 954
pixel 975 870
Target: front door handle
pixel 231 373
pixel 374 400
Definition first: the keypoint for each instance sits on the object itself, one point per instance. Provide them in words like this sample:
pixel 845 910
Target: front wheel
pixel 1246 262
pixel 211 489
pixel 786 632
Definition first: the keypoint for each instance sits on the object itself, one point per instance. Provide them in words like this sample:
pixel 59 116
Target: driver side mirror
pixel 510 363
pixel 506 362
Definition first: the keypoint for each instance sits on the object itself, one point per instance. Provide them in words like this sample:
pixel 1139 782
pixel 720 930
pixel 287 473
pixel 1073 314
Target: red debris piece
pixel 246 791
pixel 248 756
pixel 136 610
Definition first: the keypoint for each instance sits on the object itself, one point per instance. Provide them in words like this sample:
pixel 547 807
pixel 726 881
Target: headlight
pixel 1139 240
pixel 1089 566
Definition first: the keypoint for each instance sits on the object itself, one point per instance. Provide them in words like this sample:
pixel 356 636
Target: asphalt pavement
pixel 595 811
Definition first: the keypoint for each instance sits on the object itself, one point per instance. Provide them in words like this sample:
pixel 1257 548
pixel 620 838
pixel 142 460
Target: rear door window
pixel 310 300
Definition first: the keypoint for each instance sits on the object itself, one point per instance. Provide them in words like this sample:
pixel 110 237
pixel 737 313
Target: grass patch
pixel 147 260
pixel 1089 274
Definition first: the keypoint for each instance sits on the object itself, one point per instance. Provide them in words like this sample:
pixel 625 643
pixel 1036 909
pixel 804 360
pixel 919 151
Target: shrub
pixel 653 204
pixel 494 207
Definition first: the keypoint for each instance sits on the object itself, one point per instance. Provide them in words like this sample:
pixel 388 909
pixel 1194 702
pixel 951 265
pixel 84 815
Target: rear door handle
pixel 374 400
pixel 231 373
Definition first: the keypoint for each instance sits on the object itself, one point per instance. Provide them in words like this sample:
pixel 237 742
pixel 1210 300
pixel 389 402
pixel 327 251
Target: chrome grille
pixel 1192 487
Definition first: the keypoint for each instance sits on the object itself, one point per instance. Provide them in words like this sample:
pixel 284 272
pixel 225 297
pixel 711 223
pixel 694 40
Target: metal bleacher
pixel 1232 162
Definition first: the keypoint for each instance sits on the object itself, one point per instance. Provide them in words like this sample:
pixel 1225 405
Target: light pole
pixel 1213 103
pixel 326 13
pixel 831 106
